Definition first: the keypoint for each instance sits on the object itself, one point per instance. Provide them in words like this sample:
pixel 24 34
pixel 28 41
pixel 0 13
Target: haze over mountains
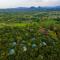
pixel 32 8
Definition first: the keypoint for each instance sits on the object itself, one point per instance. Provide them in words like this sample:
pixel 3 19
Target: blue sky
pixel 27 3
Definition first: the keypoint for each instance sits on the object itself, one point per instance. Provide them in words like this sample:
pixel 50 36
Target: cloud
pixel 17 3
pixel 47 3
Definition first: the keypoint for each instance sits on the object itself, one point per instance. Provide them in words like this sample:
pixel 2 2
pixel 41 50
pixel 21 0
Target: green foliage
pixel 30 36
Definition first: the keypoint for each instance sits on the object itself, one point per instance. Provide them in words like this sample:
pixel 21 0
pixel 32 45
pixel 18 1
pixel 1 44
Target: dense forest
pixel 33 35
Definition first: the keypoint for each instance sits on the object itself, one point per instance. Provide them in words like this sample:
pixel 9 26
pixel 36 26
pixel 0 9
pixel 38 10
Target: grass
pixel 17 24
pixel 47 23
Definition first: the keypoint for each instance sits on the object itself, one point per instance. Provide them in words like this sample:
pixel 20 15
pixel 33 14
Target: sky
pixel 27 3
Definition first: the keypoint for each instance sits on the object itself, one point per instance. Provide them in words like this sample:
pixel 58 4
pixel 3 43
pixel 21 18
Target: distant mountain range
pixel 54 8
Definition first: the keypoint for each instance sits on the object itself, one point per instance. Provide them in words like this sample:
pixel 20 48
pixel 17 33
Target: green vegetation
pixel 30 36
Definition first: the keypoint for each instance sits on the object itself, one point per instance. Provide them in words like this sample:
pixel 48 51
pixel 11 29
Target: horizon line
pixel 27 7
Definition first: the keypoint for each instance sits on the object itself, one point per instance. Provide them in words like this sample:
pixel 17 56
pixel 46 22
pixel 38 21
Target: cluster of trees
pixel 28 16
pixel 30 42
pixel 37 41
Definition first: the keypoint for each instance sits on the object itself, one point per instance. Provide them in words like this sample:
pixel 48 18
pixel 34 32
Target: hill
pixel 54 8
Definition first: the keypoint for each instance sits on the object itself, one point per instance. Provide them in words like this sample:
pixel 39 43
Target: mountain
pixel 54 8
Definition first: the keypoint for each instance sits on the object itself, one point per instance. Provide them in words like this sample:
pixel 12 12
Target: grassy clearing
pixel 47 23
pixel 17 24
